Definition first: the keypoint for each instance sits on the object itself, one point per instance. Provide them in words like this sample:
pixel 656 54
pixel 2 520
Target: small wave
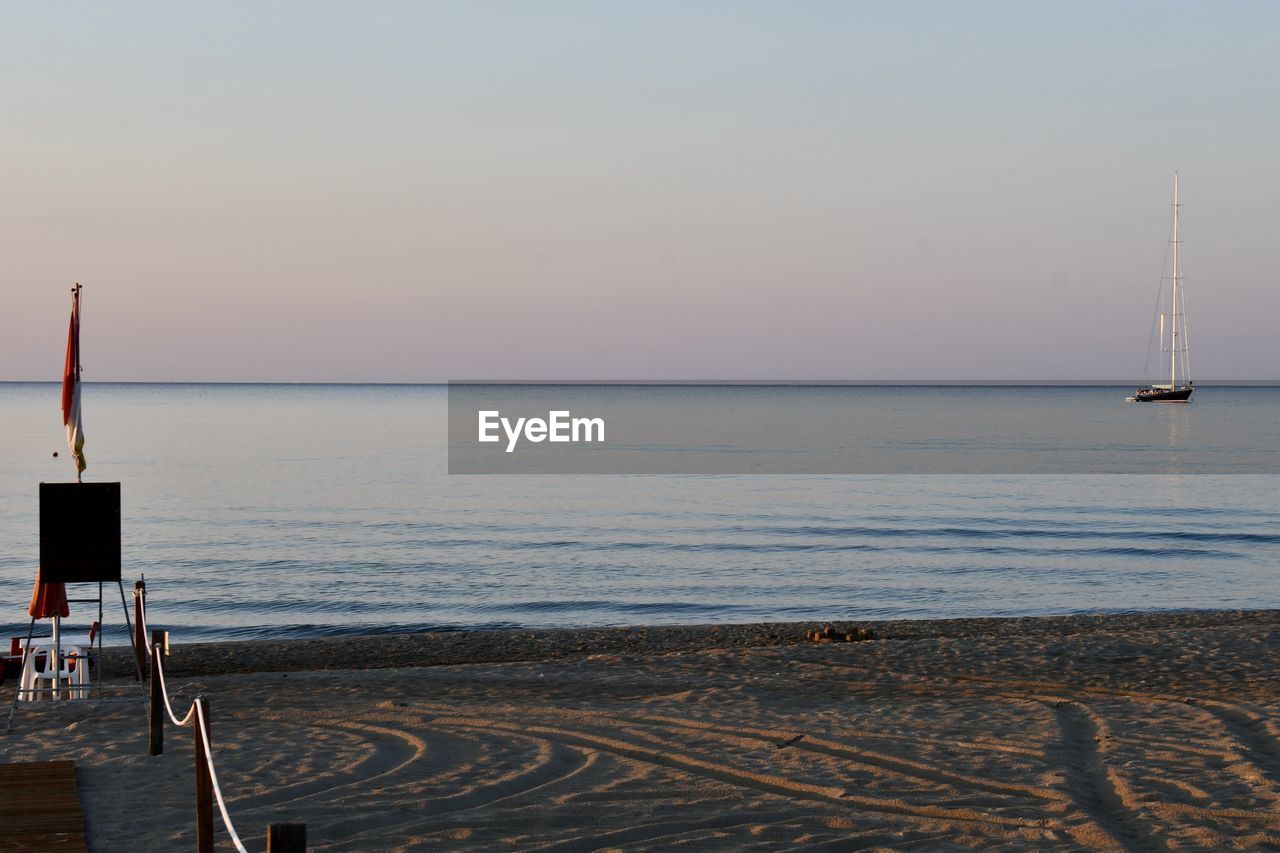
pixel 597 607
pixel 1028 532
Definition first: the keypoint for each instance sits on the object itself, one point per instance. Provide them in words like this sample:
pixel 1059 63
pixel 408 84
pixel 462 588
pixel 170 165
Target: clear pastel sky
pixel 826 190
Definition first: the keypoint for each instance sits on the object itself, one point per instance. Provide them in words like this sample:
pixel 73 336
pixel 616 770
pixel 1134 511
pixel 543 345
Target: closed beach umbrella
pixel 48 600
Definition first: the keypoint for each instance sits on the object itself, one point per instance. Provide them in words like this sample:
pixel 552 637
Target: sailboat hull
pixel 1162 395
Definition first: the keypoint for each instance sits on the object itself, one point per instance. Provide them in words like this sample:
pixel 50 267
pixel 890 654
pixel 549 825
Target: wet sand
pixel 1117 732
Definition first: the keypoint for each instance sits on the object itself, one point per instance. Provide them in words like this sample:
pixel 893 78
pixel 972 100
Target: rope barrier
pixel 213 777
pixel 194 714
pixel 164 691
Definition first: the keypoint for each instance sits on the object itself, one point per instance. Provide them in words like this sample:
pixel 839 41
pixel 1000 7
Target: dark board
pixel 79 532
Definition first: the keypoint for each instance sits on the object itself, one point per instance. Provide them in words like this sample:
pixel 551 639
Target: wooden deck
pixel 40 808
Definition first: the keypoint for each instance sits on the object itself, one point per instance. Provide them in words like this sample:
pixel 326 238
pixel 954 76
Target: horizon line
pixel 662 382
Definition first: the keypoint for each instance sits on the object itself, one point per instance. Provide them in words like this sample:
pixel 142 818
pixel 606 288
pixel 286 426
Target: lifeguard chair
pixel 79 545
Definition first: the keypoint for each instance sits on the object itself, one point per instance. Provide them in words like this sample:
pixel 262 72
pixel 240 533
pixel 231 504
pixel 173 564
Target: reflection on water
pixel 1177 426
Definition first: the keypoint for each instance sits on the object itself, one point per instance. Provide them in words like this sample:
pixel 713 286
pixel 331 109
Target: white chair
pixel 41 669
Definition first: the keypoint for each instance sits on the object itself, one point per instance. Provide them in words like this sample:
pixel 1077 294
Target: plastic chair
pixel 40 665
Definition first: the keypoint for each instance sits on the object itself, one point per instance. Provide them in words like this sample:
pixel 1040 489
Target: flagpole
pixel 57 617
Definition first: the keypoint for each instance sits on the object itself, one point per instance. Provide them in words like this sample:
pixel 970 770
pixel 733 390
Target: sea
pixel 304 510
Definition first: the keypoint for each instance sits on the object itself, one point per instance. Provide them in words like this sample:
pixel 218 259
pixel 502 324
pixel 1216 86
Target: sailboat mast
pixel 1179 351
pixel 1173 305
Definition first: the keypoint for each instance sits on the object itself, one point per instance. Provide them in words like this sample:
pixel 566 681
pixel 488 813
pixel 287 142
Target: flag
pixel 50 599
pixel 71 386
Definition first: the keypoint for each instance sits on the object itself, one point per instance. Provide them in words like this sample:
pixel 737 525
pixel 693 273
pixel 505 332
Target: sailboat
pixel 1173 332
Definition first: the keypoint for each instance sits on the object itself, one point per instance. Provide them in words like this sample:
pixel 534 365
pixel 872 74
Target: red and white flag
pixel 71 387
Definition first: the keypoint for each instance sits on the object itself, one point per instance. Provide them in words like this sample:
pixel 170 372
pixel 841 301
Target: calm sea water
pixel 304 510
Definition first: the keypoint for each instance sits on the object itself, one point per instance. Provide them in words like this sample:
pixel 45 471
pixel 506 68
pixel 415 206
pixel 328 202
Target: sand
pixel 1118 732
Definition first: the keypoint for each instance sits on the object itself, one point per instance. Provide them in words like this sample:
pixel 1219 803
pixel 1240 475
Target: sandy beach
pixel 1118 732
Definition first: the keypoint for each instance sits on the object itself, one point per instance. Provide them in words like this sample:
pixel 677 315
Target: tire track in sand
pixel 722 772
pixel 1252 732
pixel 1095 787
pixel 874 761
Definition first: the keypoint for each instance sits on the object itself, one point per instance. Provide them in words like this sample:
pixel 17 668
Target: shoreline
pixel 513 645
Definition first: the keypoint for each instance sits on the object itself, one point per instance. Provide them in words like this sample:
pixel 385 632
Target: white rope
pixel 213 777
pixel 164 691
pixel 195 714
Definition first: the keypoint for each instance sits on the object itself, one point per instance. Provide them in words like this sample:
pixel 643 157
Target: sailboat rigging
pixel 1174 339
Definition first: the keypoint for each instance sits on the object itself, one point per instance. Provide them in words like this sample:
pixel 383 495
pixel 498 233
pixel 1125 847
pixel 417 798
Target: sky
pixel 661 190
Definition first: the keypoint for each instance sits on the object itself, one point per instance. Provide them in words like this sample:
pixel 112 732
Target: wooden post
pixel 204 785
pixel 287 838
pixel 139 626
pixel 155 725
